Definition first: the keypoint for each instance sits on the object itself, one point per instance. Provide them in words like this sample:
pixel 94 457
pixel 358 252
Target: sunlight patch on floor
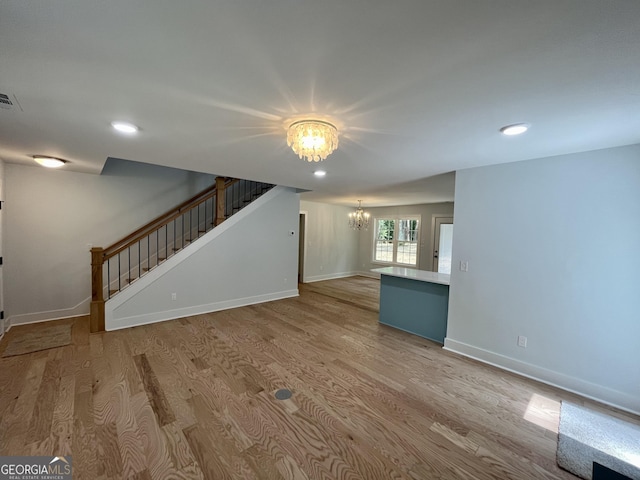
pixel 544 412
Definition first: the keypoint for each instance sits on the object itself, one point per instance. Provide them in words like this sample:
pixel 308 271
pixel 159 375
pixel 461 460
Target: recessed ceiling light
pixel 515 129
pixel 124 127
pixel 49 162
pixel 319 173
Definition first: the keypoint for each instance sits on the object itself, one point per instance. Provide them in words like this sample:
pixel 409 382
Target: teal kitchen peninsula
pixel 415 301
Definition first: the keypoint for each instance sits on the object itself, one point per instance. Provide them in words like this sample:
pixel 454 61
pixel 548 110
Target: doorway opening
pixel 302 252
pixel 442 227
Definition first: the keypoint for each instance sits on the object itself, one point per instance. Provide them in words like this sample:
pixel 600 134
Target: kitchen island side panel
pixel 414 306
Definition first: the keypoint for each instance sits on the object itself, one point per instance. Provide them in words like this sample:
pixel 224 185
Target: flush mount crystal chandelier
pixel 359 219
pixel 314 140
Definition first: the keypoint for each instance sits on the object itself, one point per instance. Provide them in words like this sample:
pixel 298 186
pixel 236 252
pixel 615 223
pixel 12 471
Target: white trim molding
pixel 330 276
pixel 586 389
pixel 79 310
pixel 134 321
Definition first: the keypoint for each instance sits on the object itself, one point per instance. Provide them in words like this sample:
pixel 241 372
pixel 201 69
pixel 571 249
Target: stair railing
pixel 116 266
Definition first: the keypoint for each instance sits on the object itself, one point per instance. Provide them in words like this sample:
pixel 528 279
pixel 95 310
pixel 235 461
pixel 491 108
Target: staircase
pixel 115 267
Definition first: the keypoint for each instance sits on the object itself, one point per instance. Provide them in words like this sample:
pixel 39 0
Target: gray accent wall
pixel 52 216
pixel 553 247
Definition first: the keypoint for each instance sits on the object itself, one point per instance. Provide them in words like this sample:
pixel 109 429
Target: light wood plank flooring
pixel 194 398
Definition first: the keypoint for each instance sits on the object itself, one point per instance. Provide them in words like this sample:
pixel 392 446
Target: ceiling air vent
pixel 9 103
pixel 5 101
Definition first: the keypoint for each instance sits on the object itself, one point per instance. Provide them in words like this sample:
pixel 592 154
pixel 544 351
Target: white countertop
pixel 413 274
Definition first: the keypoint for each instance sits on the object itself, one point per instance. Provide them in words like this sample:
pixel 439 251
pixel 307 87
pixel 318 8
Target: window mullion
pixel 395 240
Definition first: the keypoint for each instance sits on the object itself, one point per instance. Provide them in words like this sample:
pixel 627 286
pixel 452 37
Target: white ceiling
pixel 418 88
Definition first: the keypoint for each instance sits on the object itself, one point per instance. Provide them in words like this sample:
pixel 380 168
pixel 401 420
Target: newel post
pixel 96 322
pixel 220 216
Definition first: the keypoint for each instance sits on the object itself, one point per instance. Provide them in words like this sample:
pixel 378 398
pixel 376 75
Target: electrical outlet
pixel 464 266
pixel 522 341
pixel 174 296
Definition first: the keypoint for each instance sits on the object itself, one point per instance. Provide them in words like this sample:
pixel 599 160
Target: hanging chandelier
pixel 314 140
pixel 359 219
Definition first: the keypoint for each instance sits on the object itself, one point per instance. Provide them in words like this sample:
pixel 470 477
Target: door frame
pixel 302 245
pixel 437 219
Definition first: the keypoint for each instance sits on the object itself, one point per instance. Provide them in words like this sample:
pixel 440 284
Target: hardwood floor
pixel 194 398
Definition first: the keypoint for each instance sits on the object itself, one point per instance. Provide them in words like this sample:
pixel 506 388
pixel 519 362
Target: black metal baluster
pixel 119 273
pixel 182 229
pixel 237 196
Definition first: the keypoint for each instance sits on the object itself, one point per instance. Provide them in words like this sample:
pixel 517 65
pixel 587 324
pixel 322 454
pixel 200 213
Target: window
pixel 396 240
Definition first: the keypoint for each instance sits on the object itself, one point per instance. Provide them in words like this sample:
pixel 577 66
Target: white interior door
pixel 442 244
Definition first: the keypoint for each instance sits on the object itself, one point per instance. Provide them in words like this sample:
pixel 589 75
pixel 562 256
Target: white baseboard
pixel 605 395
pixel 365 273
pixel 329 276
pixel 155 317
pixel 79 310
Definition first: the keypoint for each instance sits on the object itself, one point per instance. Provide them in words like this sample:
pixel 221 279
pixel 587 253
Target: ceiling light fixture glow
pixel 319 173
pixel 515 129
pixel 49 162
pixel 124 127
pixel 313 140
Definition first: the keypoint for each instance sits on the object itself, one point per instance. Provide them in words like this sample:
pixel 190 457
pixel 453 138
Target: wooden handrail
pixel 164 219
pixel 158 221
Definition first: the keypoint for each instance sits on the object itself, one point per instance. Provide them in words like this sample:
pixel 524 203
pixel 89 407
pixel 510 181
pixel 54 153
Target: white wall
pixel 425 211
pixel 553 247
pixel 52 215
pixel 2 321
pixel 250 258
pixel 331 246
